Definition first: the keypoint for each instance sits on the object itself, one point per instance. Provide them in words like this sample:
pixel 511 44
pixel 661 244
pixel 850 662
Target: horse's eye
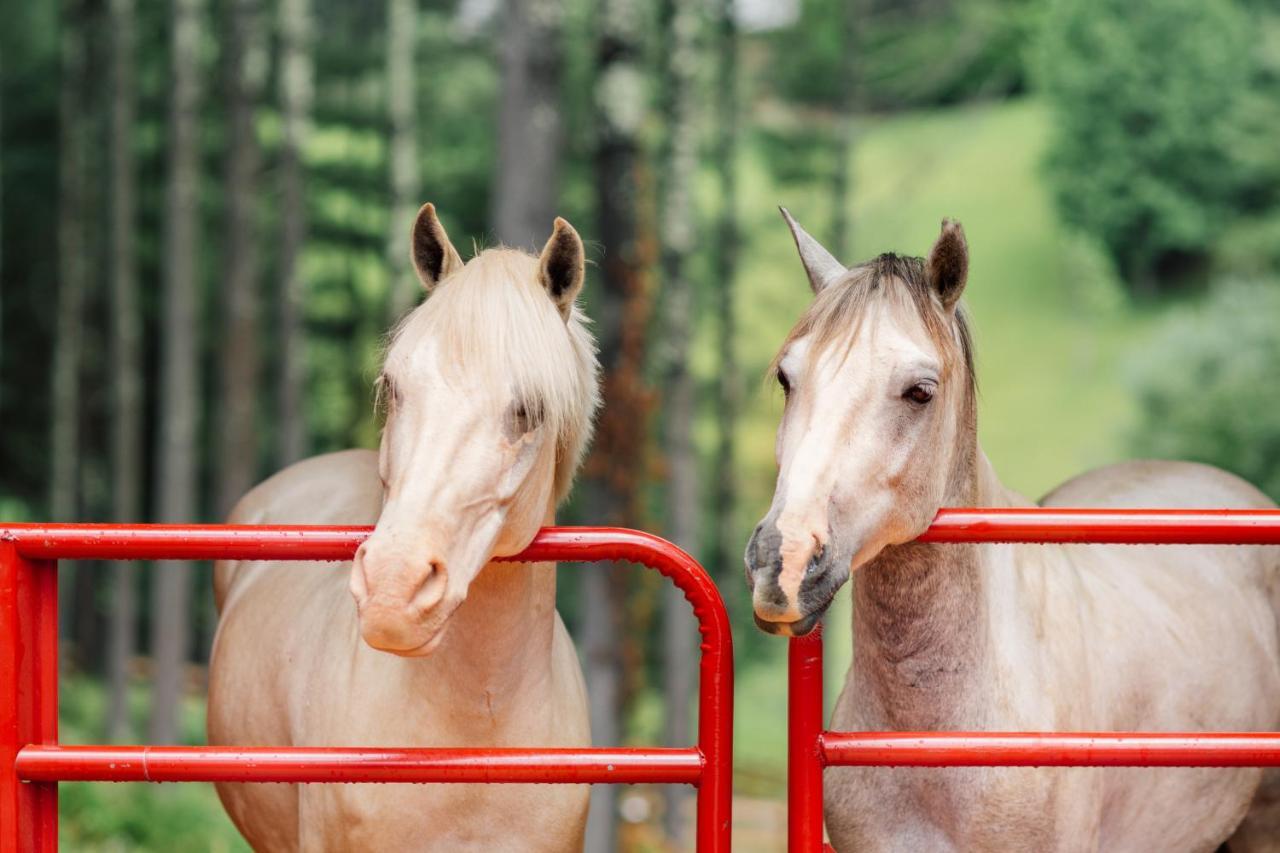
pixel 918 394
pixel 525 418
pixel 785 383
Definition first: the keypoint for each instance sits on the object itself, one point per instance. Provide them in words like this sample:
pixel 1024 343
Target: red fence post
pixel 804 761
pixel 28 696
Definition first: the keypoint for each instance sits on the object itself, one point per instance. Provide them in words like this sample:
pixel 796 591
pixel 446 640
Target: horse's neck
pixel 498 651
pixel 920 620
pixel 501 636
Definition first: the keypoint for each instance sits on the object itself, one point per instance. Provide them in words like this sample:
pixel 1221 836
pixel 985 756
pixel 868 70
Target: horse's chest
pixel 441 817
pixel 929 809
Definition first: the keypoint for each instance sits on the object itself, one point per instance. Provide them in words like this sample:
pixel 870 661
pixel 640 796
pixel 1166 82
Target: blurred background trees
pixel 1145 157
pixel 1208 385
pixel 204 207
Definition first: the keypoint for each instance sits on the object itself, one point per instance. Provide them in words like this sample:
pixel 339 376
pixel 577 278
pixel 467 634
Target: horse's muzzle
pixel 787 595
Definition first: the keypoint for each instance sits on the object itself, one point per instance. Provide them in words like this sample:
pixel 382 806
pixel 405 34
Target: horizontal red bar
pixel 308 542
pixel 1107 526
pixel 291 542
pixel 330 764
pixel 1029 749
pixel 184 541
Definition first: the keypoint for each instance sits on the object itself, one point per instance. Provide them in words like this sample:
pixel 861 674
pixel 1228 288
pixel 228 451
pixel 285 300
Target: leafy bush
pixel 94 816
pixel 1151 107
pixel 1208 385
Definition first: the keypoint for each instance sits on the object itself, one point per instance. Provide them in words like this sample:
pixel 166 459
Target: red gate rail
pixel 1038 749
pixel 32 762
pixel 811 748
pixel 338 764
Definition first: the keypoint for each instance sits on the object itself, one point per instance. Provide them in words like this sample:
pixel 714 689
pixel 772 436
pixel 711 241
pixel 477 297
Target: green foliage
pixel 135 817
pixel 1149 110
pixel 910 54
pixel 141 817
pixel 1207 385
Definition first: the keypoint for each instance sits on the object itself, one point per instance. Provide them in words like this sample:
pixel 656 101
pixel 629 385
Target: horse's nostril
pixel 359 584
pixel 815 559
pixel 431 590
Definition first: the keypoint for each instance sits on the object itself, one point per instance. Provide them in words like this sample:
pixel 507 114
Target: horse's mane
pixel 497 327
pixel 835 314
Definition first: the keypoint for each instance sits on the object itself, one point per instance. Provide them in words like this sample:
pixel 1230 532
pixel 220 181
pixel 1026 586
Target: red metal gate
pixel 811 748
pixel 32 762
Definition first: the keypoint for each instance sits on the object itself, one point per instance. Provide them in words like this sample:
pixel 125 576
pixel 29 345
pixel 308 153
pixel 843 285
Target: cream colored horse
pixel 490 388
pixel 879 432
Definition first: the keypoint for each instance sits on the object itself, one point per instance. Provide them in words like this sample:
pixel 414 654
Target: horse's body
pixel 320 685
pixel 1061 638
pixel 490 388
pixel 878 433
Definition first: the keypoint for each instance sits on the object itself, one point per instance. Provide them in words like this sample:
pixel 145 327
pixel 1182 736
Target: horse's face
pixel 876 390
pixel 468 460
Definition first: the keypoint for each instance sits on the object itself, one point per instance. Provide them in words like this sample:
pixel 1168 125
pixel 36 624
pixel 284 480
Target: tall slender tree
pixel 611 486
pixel 402 39
pixel 842 179
pixel 725 542
pixel 126 363
pixel 529 136
pixel 297 86
pixel 67 350
pixel 1 222
pixel 680 23
pixel 64 445
pixel 240 368
pixel 179 404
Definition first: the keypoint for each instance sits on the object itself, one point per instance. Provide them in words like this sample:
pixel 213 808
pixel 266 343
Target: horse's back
pixel 1197 596
pixel 1158 484
pixel 334 488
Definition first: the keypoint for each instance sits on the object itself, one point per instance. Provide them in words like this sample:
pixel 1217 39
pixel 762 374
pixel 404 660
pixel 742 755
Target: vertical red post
pixel 28 697
pixel 715 731
pixel 804 761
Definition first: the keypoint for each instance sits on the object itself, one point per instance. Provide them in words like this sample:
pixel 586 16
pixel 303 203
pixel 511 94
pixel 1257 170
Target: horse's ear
pixel 562 265
pixel 948 264
pixel 821 265
pixel 433 255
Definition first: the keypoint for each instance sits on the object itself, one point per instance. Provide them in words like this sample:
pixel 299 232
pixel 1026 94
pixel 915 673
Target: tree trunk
pixel 65 443
pixel 241 365
pixel 1 224
pixel 64 477
pixel 612 477
pixel 296 93
pixel 126 367
pixel 402 39
pixel 176 488
pixel 526 186
pixel 726 542
pixel 680 24
pixel 842 179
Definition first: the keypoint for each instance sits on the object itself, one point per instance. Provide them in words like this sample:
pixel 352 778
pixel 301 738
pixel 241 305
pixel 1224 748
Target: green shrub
pixel 1150 103
pixel 1208 385
pixel 108 817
